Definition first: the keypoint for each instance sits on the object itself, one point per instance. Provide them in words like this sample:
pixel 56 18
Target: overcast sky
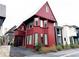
pixel 65 11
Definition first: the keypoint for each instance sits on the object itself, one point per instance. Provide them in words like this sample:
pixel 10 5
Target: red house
pixel 37 29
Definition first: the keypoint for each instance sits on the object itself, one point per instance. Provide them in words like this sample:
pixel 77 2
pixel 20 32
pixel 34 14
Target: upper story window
pixel 47 9
pixel 41 23
pixel 22 28
pixel 58 31
pixel 45 23
pixel 30 25
pixel 36 21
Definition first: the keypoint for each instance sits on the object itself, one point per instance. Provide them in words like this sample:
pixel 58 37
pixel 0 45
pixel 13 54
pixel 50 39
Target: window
pixel 47 9
pixel 45 23
pixel 36 39
pixel 64 39
pixel 30 39
pixel 58 32
pixel 36 21
pixel 41 23
pixel 41 35
pixel 22 27
pixel 45 39
pixel 30 26
pixel 27 40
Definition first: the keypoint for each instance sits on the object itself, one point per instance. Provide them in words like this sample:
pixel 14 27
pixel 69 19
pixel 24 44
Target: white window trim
pixel 27 39
pixel 36 19
pixel 36 38
pixel 30 39
pixel 41 23
pixel 45 39
pixel 45 22
pixel 47 9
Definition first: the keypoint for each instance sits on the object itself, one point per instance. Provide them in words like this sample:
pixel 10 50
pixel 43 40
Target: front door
pixel 18 41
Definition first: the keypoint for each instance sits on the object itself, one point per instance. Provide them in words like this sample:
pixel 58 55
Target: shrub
pixel 48 49
pixel 53 48
pixel 74 45
pixel 38 46
pixel 59 47
pixel 66 46
pixel 77 46
pixel 44 50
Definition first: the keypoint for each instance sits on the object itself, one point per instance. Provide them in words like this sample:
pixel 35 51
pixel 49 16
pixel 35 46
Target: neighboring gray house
pixel 9 36
pixel 2 18
pixel 58 31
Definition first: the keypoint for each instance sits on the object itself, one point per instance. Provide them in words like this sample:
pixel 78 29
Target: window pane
pixel 45 23
pixel 36 39
pixel 41 23
pixel 36 21
pixel 27 39
pixel 47 9
pixel 45 39
pixel 30 39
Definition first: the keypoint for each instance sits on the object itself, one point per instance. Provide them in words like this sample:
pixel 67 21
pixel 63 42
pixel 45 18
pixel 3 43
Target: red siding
pixel 51 34
pixel 37 29
pixel 48 15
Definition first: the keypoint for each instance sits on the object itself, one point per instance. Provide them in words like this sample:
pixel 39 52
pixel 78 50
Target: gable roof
pixel 11 30
pixel 46 12
pixel 38 13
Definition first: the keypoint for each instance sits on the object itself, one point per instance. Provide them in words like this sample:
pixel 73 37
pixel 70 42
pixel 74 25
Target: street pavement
pixel 64 53
pixel 25 52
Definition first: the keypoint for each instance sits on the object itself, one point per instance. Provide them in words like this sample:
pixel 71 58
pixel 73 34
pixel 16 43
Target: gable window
pixel 45 23
pixel 36 21
pixel 22 28
pixel 47 9
pixel 41 23
pixel 45 39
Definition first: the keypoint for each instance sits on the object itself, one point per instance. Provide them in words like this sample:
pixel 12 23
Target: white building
pixel 68 34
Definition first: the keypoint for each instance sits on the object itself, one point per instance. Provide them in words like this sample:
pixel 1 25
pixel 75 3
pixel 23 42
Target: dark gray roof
pixel 1 20
pixel 11 30
pixel 58 27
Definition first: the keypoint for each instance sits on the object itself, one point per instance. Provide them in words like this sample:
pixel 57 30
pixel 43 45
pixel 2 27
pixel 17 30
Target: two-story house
pixel 69 34
pixel 9 36
pixel 39 28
